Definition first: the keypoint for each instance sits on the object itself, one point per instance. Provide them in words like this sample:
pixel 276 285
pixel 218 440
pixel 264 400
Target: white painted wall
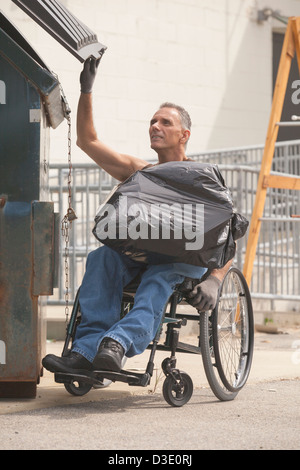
pixel 209 56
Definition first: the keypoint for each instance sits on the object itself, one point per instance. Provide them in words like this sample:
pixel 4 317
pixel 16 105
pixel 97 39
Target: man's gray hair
pixel 184 115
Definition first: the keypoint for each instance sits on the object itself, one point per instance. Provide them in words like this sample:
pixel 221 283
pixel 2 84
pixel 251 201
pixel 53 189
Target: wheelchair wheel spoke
pixel 231 337
pixel 234 331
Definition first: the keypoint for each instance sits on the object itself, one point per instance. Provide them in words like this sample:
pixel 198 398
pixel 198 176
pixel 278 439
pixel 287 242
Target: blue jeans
pixel 107 273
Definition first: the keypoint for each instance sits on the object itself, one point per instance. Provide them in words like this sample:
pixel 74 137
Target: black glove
pixel 204 296
pixel 88 74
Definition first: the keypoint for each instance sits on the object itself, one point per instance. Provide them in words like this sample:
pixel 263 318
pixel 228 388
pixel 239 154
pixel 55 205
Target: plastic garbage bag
pixel 175 212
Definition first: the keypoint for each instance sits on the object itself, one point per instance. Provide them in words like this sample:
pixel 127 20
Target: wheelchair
pixel 225 343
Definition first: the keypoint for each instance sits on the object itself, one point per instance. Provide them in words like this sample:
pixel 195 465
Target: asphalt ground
pixel 265 415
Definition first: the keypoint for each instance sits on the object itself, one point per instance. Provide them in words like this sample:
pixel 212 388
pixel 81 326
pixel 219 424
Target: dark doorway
pixel 290 108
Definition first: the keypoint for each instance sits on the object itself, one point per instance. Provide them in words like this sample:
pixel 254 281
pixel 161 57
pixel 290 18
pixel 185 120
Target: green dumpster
pixel 30 103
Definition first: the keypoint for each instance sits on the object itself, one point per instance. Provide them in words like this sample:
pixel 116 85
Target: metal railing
pixel 276 272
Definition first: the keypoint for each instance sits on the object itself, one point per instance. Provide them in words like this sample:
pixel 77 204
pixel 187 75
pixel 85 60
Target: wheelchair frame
pixel 225 343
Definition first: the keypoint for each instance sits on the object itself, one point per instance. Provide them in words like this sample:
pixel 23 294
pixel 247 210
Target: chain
pixel 65 234
pixel 67 220
pixel 70 215
pixel 70 210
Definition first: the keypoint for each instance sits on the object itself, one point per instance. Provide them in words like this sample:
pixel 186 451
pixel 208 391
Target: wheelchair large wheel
pixel 226 337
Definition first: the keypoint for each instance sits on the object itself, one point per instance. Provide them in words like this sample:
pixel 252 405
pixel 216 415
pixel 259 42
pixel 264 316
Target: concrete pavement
pixel 276 357
pixel 264 415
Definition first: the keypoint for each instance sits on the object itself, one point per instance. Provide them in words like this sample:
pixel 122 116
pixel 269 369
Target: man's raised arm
pixel 118 165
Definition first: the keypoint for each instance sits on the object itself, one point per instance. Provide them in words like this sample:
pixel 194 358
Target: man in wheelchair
pixel 102 338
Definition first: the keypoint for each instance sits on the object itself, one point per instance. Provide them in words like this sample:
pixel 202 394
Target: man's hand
pixel 88 74
pixel 204 296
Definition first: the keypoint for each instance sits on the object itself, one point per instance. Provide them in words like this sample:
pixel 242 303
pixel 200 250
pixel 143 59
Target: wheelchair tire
pixel 226 338
pixel 78 389
pixel 233 331
pixel 208 359
pixel 177 392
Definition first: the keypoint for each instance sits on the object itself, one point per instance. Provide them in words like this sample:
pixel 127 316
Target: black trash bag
pixel 175 212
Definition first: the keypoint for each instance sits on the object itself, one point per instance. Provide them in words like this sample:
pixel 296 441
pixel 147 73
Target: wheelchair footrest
pixel 125 376
pixel 97 377
pixel 65 378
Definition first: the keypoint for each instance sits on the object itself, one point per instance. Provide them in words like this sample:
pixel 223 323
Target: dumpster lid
pixel 17 51
pixel 61 24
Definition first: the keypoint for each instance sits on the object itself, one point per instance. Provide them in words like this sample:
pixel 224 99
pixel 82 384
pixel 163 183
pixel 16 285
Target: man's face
pixel 166 129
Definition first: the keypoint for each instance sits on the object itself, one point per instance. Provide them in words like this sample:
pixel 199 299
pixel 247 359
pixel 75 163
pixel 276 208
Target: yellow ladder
pixel 266 179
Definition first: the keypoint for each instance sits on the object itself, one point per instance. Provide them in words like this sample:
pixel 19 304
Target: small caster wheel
pixel 177 392
pixel 77 388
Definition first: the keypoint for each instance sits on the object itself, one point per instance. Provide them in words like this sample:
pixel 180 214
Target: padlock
pixel 71 215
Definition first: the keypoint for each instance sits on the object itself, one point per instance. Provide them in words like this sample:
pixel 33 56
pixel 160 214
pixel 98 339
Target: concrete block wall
pixel 211 57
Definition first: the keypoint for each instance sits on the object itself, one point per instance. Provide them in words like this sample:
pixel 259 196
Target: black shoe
pixel 72 363
pixel 109 356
